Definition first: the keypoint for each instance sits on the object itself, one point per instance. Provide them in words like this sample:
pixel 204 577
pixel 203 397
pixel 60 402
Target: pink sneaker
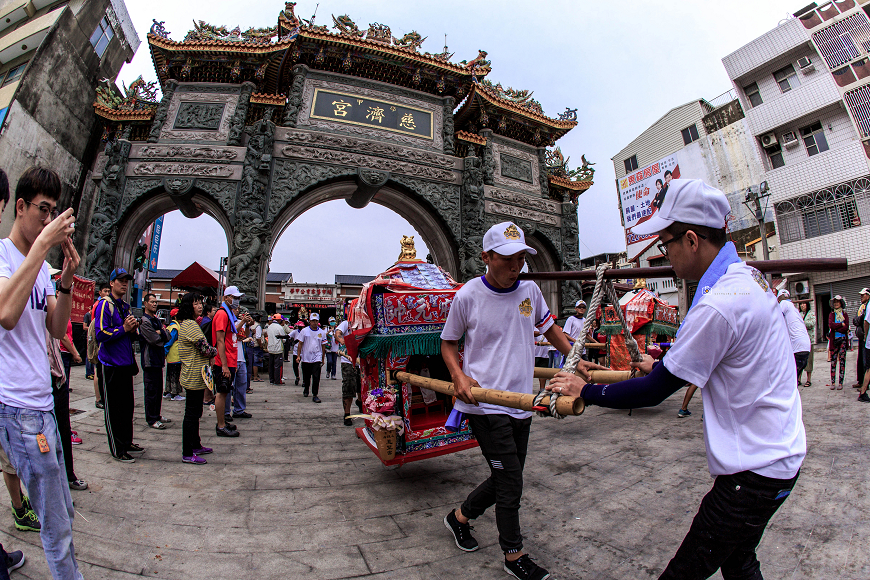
pixel 195 459
pixel 76 440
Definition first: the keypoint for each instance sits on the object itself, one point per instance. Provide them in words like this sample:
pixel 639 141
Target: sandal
pixel 249 391
pixel 808 384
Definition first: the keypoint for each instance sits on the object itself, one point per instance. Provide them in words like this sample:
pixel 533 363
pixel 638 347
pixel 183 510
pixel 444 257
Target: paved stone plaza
pixel 607 496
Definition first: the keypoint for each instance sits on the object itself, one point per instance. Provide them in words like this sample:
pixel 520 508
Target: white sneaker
pixel 179 398
pixel 157 425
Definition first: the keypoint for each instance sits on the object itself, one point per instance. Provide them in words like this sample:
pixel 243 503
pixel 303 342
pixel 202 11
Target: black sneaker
pixel 28 521
pixel 864 397
pixel 135 449
pixel 242 415
pixel 125 458
pixel 348 422
pixel 525 569
pixel 461 533
pixel 14 560
pixel 226 432
pixel 316 399
pixel 304 393
pixel 297 382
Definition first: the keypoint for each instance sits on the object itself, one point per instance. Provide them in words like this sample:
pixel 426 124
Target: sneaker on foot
pixel 157 425
pixel 224 432
pixel 78 485
pixel 316 399
pixel 863 397
pixel 203 451
pixel 165 420
pixel 125 458
pixel 28 521
pixel 832 385
pixel 14 560
pixel 135 449
pixel 683 413
pixel 75 439
pixel 304 393
pixel 525 569
pixel 461 533
pixel 167 396
pixel 348 422
pixel 179 398
pixel 840 387
pixel 195 459
pixel 297 382
pixel 242 415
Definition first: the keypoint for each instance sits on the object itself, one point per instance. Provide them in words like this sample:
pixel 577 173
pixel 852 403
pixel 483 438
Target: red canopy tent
pixel 196 277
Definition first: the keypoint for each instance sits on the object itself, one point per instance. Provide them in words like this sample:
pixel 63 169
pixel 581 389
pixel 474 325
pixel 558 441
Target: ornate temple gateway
pixel 256 127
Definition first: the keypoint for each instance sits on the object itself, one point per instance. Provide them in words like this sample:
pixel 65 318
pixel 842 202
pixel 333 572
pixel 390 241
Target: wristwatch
pixel 63 290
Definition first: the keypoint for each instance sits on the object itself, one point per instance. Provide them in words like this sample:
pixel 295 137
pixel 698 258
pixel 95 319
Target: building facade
pixel 805 88
pixel 49 123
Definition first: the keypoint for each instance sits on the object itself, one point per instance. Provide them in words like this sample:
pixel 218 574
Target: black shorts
pixel 223 384
pixel 542 361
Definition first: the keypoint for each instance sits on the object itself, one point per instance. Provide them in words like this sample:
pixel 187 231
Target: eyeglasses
pixel 44 210
pixel 663 246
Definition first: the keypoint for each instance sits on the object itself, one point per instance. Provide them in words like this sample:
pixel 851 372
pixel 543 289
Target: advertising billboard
pixel 641 194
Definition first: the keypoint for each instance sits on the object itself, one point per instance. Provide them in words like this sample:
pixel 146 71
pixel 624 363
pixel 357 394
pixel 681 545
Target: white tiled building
pixel 805 90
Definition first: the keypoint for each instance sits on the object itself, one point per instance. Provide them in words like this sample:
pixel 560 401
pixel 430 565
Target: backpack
pixel 206 330
pixel 93 345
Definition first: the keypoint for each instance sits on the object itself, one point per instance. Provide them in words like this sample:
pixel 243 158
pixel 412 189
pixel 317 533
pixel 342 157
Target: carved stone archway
pixel 546 260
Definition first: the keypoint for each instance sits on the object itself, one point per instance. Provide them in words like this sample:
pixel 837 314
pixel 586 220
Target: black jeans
pixel 60 394
pixel 504 442
pixel 118 399
pixel 152 378
pixel 311 374
pixel 190 424
pixel 728 527
pixel 275 368
pixel 295 367
pixel 800 361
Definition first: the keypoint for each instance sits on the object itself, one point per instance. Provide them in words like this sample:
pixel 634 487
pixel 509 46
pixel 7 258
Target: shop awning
pixel 196 277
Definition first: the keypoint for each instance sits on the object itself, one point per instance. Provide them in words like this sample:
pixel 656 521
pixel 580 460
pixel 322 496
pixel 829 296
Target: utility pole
pixel 754 194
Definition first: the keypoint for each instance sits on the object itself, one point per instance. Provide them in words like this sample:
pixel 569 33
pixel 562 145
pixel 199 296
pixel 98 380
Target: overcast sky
pixel 622 65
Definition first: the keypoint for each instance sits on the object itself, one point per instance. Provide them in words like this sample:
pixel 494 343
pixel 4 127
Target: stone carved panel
pixel 141 168
pixel 521 199
pixel 522 213
pixel 364 146
pixel 205 116
pixel 444 197
pixel 290 178
pixel 532 186
pixel 515 168
pixel 229 102
pixel 304 119
pixel 187 152
pixel 355 160
pixel 224 192
pixel 134 188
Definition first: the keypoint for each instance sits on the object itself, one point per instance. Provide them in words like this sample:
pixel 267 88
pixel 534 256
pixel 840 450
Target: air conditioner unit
pixel 790 140
pixel 802 287
pixel 769 140
pixel 806 65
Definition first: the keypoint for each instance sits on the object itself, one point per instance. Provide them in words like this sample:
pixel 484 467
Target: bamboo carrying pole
pixel 804 265
pixel 600 377
pixel 564 405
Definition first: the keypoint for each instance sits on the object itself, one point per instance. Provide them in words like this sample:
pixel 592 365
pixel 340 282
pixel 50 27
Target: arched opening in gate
pixel 545 261
pixel 204 239
pixel 367 239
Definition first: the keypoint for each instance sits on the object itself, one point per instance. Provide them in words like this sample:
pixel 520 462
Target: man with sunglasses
pixel 30 305
pixel 734 345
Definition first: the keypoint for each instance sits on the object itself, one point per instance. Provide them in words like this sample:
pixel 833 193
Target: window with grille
pixel 839 42
pixel 630 164
pixel 14 74
pixel 752 94
pixel 690 134
pixel 814 139
pixel 786 78
pixel 824 212
pixel 101 36
pixel 859 105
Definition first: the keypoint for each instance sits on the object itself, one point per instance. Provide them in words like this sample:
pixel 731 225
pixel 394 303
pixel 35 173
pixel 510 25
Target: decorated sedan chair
pixel 650 319
pixel 395 325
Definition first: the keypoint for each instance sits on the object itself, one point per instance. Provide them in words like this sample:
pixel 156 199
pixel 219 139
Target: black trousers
pixel 800 361
pixel 152 377
pixel 190 425
pixel 861 357
pixel 295 368
pixel 101 383
pixel 311 374
pixel 60 393
pixel 504 442
pixel 275 367
pixel 728 527
pixel 118 399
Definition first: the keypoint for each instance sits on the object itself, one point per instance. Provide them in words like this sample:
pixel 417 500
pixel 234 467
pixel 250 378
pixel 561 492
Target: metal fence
pixel 841 207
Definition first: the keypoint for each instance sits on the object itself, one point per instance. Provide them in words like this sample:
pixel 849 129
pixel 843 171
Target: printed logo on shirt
pixel 37 300
pixel 526 308
pixel 512 233
pixel 706 290
pixel 759 277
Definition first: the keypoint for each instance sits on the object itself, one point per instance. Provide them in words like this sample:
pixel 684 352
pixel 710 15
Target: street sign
pixel 155 244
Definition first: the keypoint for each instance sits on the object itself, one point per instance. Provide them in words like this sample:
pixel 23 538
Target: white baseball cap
pixel 864 291
pixel 783 294
pixel 314 316
pixel 506 239
pixel 579 302
pixel 690 201
pixel 233 291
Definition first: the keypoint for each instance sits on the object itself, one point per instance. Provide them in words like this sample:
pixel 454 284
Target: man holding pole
pixel 498 315
pixel 734 345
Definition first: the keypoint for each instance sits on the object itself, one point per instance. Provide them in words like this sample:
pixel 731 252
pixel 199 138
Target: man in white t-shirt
pixel 734 345
pixel 797 331
pixel 275 337
pixel 350 383
pixel 29 306
pixel 312 351
pixel 574 324
pixel 498 315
